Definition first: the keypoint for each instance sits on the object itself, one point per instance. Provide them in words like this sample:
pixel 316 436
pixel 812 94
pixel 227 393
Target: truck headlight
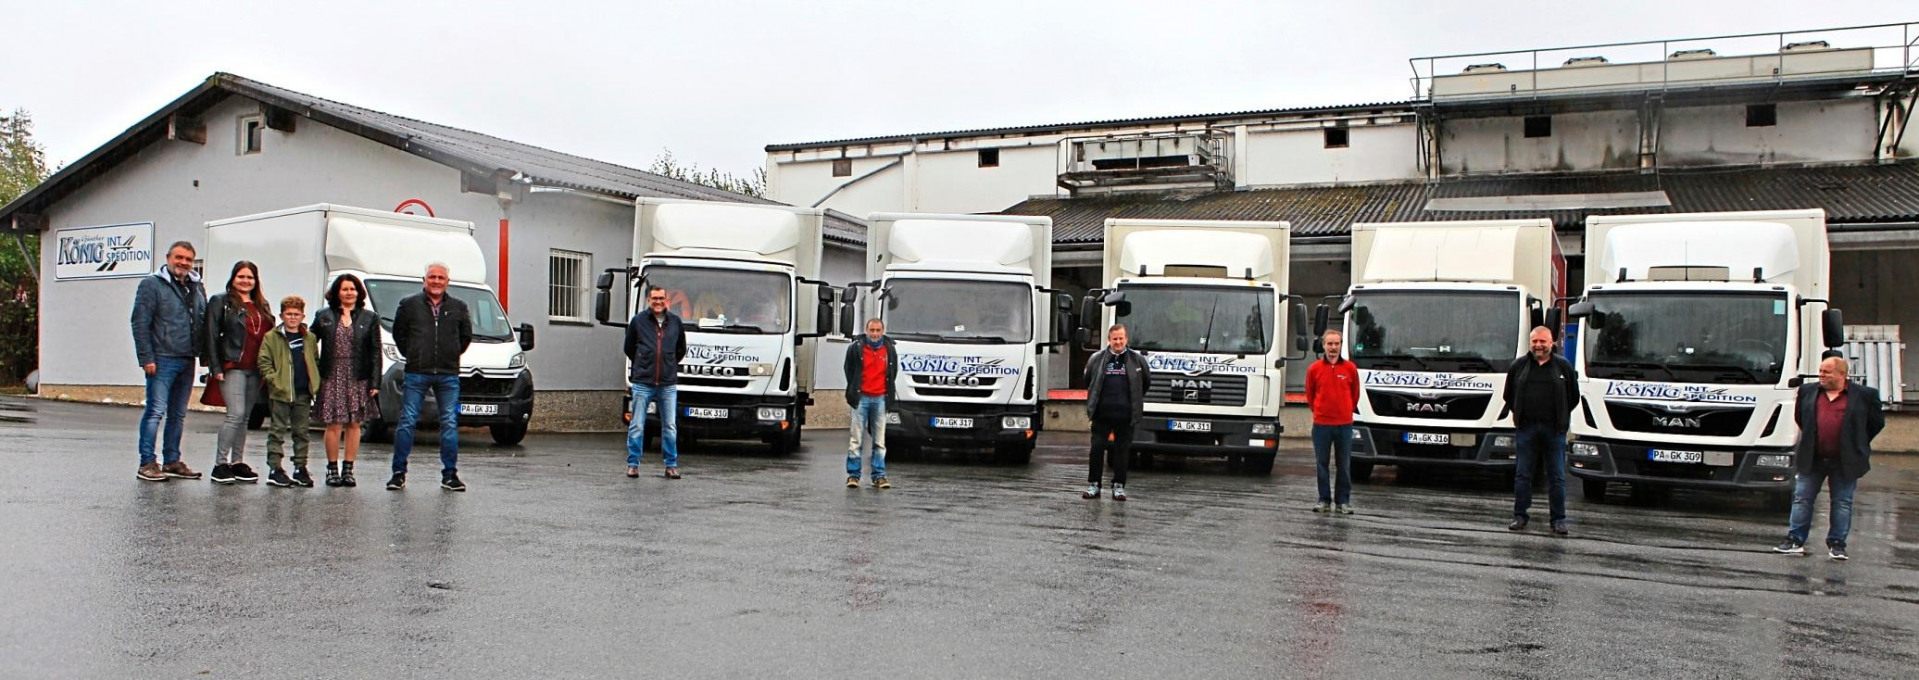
pixel 1770 460
pixel 772 413
pixel 893 418
pixel 759 369
pixel 1505 441
pixel 1262 428
pixel 392 353
pixel 518 361
pixel 1585 449
pixel 1016 422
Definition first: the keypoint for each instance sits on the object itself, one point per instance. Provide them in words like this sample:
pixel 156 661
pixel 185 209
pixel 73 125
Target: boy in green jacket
pixel 290 374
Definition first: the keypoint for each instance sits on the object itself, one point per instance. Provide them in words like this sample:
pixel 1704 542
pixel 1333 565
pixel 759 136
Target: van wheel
pixel 256 416
pixel 1361 472
pixel 376 432
pixel 508 435
pixel 1594 489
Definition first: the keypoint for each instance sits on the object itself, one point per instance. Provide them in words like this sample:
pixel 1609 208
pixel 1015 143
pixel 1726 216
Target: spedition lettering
pixel 1677 393
pixel 955 365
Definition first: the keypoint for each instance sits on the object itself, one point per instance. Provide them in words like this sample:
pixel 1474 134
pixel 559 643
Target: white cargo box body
pixel 1518 252
pixel 296 249
pixel 1786 246
pixel 1256 251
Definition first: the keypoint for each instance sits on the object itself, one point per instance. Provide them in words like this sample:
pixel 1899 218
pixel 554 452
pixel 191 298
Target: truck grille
pixel 1439 405
pixel 722 383
pixel 1211 390
pixel 968 387
pixel 471 387
pixel 1692 419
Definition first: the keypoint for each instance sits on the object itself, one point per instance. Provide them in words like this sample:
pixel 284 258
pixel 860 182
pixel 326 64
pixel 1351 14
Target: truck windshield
pixel 1209 319
pixel 949 310
pixel 1723 338
pixel 725 300
pixel 1475 331
pixel 489 321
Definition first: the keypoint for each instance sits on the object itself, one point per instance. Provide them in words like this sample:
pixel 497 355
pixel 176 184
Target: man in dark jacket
pixel 655 344
pixel 431 329
pixel 1837 422
pixel 872 364
pixel 1541 391
pixel 168 311
pixel 1115 398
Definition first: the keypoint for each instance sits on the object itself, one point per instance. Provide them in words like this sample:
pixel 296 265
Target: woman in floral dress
pixel 349 336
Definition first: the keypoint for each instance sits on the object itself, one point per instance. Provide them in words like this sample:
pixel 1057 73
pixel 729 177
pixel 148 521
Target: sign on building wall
pixel 108 252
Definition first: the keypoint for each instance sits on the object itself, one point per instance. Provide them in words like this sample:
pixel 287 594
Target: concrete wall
pixel 1374 153
pixel 805 183
pixel 954 182
pixel 1819 131
pixel 1602 140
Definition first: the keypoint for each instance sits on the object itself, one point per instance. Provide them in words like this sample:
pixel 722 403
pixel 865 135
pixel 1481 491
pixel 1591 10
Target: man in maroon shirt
pixel 1837 421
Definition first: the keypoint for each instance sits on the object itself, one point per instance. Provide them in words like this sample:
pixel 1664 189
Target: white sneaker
pixel 1091 492
pixel 1119 492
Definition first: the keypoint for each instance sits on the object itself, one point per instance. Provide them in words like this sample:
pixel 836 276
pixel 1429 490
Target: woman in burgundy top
pixel 237 320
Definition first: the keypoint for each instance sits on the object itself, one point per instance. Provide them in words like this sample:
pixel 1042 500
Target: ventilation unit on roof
pixel 1485 68
pixel 1687 55
pixel 1577 62
pixel 1807 46
pixel 1146 162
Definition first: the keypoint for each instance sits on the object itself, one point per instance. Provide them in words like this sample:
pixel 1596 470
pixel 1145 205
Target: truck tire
pixel 1594 489
pixel 1361 472
pixel 508 435
pixel 1779 501
pixel 1260 465
pixel 1018 453
pixel 787 443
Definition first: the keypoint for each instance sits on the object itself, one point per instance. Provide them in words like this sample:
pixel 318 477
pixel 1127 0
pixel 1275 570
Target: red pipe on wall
pixel 503 266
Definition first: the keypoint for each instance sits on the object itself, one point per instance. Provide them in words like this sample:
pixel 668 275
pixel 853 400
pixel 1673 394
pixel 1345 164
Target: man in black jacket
pixel 1541 391
pixel 655 344
pixel 872 365
pixel 431 329
pixel 1837 421
pixel 1115 398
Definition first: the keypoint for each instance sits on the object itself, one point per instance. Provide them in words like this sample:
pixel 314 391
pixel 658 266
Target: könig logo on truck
pixel 960 367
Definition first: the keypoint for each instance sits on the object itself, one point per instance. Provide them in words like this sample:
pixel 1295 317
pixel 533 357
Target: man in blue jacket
pixel 167 311
pixel 655 343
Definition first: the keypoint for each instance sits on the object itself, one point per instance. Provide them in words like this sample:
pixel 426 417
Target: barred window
pixel 567 285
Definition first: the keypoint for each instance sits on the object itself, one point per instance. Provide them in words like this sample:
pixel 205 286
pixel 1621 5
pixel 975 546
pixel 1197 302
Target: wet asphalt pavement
pixel 555 564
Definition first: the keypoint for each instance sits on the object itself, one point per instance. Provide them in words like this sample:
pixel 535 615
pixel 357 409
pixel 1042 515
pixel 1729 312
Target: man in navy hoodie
pixel 655 343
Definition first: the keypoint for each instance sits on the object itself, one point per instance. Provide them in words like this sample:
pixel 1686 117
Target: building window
pixel 1762 115
pixel 567 287
pixel 843 167
pixel 1336 137
pixel 252 128
pixel 989 158
pixel 1539 126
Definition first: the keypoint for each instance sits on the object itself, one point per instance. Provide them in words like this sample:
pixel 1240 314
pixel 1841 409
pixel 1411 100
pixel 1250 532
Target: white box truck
pixel 966 298
pixel 301 250
pixel 1205 301
pixel 1436 313
pixel 737 275
pixel 1697 330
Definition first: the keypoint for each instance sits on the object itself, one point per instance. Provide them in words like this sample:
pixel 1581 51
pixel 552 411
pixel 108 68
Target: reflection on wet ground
pixel 555 564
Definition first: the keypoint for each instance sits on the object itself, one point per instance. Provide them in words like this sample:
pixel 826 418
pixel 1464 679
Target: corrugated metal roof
pixel 468 151
pixel 1116 122
pixel 1850 195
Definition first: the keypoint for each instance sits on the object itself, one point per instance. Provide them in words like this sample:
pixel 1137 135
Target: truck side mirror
pixel 526 337
pixel 1554 322
pixel 1088 317
pixel 1321 316
pixel 823 312
pixel 1833 324
pixel 1300 342
pixel 1117 300
pixel 1588 315
pixel 1062 320
pixel 849 310
pixel 603 299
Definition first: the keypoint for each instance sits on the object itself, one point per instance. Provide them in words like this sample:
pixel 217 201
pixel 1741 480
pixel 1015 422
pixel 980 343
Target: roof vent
pixel 1807 46
pixel 1684 55
pixel 1577 62
pixel 1484 68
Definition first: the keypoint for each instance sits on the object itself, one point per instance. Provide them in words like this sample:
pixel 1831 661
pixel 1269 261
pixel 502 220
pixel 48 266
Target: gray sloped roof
pixel 470 152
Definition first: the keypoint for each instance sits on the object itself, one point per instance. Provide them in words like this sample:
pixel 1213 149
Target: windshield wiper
pixel 1416 361
pixel 730 328
pixel 1634 365
pixel 1723 369
pixel 1467 363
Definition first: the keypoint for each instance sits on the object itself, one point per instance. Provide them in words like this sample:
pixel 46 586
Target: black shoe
pixel 279 478
pixel 1519 524
pixel 348 480
pixel 1562 528
pixel 332 474
pixel 1790 547
pixel 245 473
pixel 222 474
pixel 397 483
pixel 451 482
pixel 301 478
pixel 1837 553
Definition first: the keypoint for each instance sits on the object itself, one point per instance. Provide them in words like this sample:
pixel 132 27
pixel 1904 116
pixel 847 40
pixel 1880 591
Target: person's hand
pixel 152 369
pixel 373 392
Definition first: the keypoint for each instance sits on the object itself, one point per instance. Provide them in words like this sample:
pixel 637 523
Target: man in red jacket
pixel 1332 390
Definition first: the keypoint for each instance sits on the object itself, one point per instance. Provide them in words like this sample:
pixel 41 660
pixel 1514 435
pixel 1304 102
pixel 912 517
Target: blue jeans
pixel 1806 491
pixel 869 422
pixel 1328 440
pixel 1539 446
pixel 446 391
pixel 167 392
pixel 668 398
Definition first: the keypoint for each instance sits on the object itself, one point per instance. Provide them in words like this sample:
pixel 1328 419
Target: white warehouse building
pixel 547 223
pixel 1810 119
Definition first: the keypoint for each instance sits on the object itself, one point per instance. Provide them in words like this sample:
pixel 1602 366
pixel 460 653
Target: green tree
pixel 23 165
pixel 753 184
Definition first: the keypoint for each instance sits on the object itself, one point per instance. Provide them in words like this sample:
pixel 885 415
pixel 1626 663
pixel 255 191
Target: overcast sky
pixel 716 81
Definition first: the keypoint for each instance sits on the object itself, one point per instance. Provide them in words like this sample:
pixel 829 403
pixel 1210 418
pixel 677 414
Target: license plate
pixel 479 409
pixel 1429 438
pixel 710 413
pixel 1188 426
pixel 958 423
pixel 1668 456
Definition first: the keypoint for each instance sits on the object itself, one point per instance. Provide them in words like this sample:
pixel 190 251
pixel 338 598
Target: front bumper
pixel 916 423
pixel 1223 435
pixel 1625 461
pixel 1388 445
pixel 483 400
pixel 741 419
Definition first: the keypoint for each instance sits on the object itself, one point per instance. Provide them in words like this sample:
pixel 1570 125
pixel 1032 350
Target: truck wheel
pixel 1260 465
pixel 1141 460
pixel 256 416
pixel 1018 453
pixel 1779 501
pixel 1594 489
pixel 508 435
pixel 787 443
pixel 1361 472
pixel 902 451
